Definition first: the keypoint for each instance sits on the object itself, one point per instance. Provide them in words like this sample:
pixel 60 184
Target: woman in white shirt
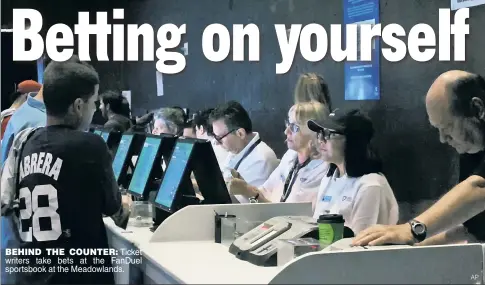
pixel 354 185
pixel 298 176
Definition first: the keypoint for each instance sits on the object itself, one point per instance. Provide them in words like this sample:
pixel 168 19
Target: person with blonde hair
pixel 298 176
pixel 312 87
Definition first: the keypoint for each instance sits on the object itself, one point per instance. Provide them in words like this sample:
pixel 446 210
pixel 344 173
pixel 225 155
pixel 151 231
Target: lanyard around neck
pixel 250 149
pixel 291 178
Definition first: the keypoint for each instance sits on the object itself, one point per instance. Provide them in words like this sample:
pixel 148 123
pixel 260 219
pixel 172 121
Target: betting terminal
pixel 138 167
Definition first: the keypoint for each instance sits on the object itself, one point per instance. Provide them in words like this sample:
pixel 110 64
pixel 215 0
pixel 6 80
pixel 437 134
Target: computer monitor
pixel 149 164
pixel 98 132
pixel 112 139
pixel 208 174
pixel 176 181
pixel 176 189
pixel 105 135
pixel 130 145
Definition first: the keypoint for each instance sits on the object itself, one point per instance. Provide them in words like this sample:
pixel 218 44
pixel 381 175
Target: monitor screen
pixel 144 165
pixel 173 174
pixel 105 136
pixel 121 154
pixel 98 132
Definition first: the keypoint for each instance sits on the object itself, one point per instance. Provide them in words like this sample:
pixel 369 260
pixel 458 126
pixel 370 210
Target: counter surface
pixel 205 263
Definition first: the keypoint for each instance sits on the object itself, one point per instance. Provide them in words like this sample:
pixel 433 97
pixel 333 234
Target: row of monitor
pixel 171 187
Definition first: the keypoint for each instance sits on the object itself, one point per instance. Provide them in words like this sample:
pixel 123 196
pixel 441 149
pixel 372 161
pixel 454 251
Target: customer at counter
pixel 455 104
pixel 354 186
pixel 113 107
pixel 63 169
pixel 252 158
pixel 298 176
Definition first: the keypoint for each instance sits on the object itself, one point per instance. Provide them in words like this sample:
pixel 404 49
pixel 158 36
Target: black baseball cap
pixel 352 123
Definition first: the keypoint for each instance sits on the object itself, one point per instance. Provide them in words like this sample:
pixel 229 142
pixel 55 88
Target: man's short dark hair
pixel 125 108
pixel 201 119
pixel 64 82
pixel 114 100
pixel 190 125
pixel 462 92
pixel 234 116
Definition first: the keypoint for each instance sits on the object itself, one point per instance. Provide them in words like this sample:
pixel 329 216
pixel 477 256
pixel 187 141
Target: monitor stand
pixel 160 215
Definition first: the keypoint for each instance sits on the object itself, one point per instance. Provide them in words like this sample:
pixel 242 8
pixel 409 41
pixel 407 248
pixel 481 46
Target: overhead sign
pixel 458 4
pixel 362 78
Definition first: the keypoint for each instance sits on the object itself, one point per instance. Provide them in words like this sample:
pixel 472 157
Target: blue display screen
pixel 173 174
pixel 144 165
pixel 105 136
pixel 98 132
pixel 121 154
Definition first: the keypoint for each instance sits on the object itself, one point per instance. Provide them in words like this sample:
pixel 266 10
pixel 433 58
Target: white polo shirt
pixel 255 168
pixel 307 180
pixel 363 201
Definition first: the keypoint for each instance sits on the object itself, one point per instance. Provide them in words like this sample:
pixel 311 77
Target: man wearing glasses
pixel 248 155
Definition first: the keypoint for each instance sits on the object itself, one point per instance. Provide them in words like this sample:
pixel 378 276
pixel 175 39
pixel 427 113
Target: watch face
pixel 419 229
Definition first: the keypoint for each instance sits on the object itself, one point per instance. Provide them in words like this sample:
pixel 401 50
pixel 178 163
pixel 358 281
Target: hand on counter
pixel 380 235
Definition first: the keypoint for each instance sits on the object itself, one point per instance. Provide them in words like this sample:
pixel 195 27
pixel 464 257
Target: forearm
pixel 461 203
pixel 255 191
pixel 455 235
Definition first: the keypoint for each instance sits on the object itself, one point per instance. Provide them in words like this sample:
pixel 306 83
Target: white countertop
pixel 136 235
pixel 205 263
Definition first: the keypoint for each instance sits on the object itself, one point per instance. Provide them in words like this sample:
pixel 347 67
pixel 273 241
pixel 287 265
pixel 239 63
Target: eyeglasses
pixel 325 135
pixel 294 128
pixel 219 138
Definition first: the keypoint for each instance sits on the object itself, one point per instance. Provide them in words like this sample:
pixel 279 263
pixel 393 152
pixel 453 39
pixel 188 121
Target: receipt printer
pixel 260 245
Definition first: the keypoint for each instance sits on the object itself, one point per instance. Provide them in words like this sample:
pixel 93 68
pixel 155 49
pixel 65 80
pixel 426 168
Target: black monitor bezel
pixel 185 186
pixel 166 141
pixel 207 171
pixel 124 165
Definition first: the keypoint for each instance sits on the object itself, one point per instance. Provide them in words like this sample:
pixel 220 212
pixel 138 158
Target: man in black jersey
pixel 455 105
pixel 66 183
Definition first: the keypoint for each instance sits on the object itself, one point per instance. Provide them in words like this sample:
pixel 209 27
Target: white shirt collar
pixel 242 152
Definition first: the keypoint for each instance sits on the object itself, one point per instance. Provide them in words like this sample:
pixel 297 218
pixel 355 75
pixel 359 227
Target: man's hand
pixel 379 235
pixel 238 186
pixel 126 200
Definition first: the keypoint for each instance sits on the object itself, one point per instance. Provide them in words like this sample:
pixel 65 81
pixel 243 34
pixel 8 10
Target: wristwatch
pixel 418 230
pixel 254 199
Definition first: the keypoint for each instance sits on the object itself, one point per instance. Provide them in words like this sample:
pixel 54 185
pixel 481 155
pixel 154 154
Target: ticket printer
pixel 260 245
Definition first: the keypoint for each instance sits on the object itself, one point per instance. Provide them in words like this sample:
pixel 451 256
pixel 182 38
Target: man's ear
pixel 78 106
pixel 241 133
pixel 478 108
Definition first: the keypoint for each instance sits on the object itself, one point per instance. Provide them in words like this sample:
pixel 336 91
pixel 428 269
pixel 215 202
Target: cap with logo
pixel 352 123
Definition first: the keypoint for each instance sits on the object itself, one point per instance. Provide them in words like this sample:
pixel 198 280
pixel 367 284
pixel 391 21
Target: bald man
pixel 455 104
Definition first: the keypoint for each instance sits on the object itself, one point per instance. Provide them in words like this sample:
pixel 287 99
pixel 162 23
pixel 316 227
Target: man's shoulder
pixel 265 152
pixel 75 141
pixel 25 117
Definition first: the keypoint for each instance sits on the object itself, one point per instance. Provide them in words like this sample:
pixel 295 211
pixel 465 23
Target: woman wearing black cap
pixel 354 186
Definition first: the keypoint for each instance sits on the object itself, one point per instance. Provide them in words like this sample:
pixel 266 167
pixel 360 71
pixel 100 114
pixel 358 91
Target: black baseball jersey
pixel 474 164
pixel 66 184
